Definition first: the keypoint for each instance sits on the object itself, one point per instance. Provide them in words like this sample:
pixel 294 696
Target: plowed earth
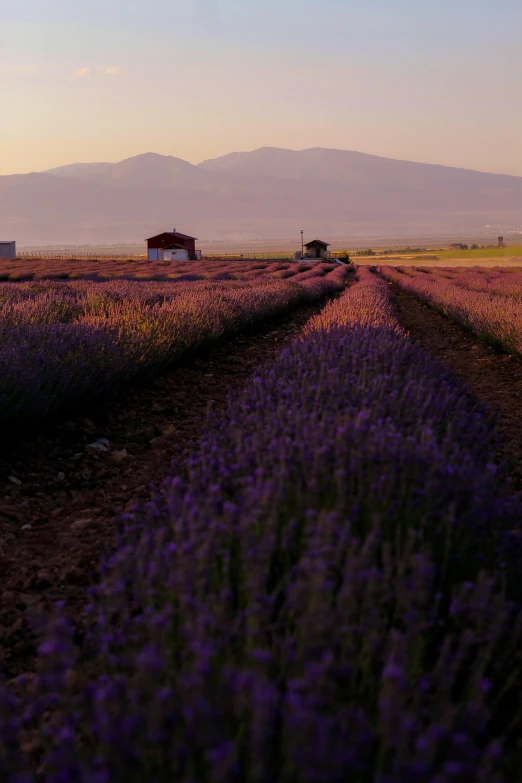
pixel 59 498
pixel 494 378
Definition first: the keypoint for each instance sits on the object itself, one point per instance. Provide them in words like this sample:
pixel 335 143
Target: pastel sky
pixel 438 81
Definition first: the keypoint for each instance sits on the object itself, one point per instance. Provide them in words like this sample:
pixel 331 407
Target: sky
pixel 436 81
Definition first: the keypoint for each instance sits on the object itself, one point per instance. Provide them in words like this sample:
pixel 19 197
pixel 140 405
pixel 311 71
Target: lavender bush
pixel 309 605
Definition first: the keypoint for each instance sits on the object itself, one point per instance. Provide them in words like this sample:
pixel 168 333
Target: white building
pixel 7 249
pixel 174 254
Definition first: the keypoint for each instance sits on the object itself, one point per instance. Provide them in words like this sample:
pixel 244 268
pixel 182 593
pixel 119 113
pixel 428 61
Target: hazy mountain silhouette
pixel 266 193
pixel 142 171
pixel 79 170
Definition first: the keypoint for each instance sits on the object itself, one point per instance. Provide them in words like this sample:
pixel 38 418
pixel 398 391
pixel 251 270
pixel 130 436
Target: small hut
pixel 316 249
pixel 7 249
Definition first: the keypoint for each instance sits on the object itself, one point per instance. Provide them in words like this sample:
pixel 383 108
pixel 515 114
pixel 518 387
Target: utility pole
pixel 302 244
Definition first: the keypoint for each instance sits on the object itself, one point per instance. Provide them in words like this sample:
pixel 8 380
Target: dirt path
pixel 494 379
pixel 58 497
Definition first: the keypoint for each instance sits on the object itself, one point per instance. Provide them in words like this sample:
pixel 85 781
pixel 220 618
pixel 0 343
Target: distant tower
pixel 501 242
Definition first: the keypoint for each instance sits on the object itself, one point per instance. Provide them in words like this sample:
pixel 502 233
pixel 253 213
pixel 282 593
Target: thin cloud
pixel 109 70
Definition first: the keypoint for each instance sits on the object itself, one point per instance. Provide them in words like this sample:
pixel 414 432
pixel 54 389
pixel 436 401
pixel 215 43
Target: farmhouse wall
pixel 7 249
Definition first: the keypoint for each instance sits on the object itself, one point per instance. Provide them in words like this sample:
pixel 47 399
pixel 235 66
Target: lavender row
pixel 65 345
pixel 53 302
pixel 309 605
pixel 368 304
pixel 493 281
pixel 493 318
pixel 496 281
pixel 56 269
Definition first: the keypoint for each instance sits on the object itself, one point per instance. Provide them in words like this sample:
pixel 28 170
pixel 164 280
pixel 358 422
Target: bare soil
pixel 494 378
pixel 59 498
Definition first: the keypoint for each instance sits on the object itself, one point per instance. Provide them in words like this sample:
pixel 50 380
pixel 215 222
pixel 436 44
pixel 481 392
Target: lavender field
pixel 66 343
pixel 330 593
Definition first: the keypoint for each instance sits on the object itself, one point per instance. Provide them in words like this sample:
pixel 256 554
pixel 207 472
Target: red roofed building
pixel 172 246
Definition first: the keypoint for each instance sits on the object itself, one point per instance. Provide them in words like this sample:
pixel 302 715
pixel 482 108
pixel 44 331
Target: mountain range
pixel 268 193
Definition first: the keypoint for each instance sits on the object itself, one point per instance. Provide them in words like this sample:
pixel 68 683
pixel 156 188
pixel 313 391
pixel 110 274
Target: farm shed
pixel 7 249
pixel 172 246
pixel 316 248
